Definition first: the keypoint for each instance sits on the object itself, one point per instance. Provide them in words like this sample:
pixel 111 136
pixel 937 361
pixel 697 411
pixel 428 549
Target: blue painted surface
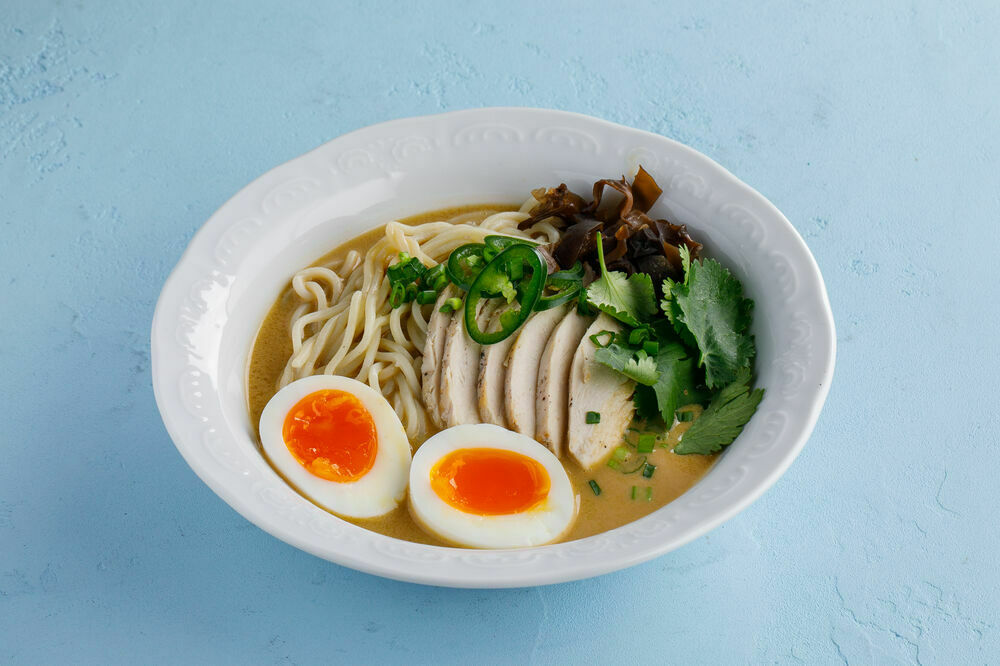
pixel 874 128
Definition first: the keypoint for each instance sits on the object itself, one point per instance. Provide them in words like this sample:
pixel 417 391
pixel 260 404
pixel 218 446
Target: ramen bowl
pixel 234 268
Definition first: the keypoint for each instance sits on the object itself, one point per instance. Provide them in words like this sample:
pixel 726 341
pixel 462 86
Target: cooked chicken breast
pixel 458 394
pixel 430 367
pixel 594 387
pixel 492 374
pixel 553 380
pixel 523 361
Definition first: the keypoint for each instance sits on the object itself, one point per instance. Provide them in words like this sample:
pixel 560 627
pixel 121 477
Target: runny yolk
pixel 332 435
pixel 490 482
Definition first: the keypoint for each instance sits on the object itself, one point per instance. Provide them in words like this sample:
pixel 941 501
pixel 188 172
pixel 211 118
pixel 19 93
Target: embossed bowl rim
pixel 234 267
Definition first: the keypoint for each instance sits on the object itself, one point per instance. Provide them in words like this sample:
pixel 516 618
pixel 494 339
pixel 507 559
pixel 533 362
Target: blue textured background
pixel 875 129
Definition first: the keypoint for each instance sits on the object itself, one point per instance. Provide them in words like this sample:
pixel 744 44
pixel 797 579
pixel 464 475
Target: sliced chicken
pixel 552 387
pixel 523 363
pixel 458 394
pixel 594 387
pixel 430 368
pixel 492 372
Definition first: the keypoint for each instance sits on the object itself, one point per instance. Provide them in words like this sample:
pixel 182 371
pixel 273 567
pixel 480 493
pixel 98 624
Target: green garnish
pixel 397 295
pixel 685 415
pixel 637 336
pixel 636 468
pixel 426 297
pixel 621 453
pixel 451 304
pixel 638 366
pixel 646 443
pixel 614 464
pixel 593 486
pixel 709 312
pixel 607 335
pixel 629 299
pixel 651 347
pixel 649 493
pixel 647 470
pixel 497 272
pixel 633 491
pixel 675 382
pixel 723 420
pixel 593 418
pixel 463 262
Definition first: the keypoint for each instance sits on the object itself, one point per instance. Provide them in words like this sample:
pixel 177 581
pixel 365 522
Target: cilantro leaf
pixel 724 418
pixel 635 365
pixel 629 299
pixel 708 311
pixel 675 384
pixel 644 399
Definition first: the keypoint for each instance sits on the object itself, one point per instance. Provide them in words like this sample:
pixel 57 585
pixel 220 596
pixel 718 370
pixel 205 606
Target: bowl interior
pixel 237 265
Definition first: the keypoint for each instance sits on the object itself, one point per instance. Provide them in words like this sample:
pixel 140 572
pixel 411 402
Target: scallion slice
pixel 646 443
pixel 614 464
pixel 634 488
pixel 649 493
pixel 596 488
pixel 621 453
pixel 593 418
pixel 452 304
pixel 647 470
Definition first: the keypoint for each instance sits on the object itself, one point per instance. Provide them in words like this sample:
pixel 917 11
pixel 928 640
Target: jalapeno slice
pixel 496 278
pixel 465 263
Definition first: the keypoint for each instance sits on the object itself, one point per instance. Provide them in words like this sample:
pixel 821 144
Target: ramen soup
pixel 501 376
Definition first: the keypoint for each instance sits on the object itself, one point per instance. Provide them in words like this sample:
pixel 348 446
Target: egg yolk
pixel 332 435
pixel 490 482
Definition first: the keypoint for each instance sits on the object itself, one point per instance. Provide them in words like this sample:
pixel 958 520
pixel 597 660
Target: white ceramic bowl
pixel 235 266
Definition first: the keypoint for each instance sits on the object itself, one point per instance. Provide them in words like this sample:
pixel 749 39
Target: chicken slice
pixel 552 387
pixel 594 387
pixel 458 394
pixel 492 366
pixel 522 363
pixel 430 367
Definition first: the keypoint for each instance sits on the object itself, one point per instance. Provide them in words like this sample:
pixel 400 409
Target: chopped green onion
pixel 646 443
pixel 685 415
pixel 636 468
pixel 651 347
pixel 621 453
pixel 614 464
pixel 609 337
pixel 649 493
pixel 452 304
pixel 638 335
pixel 596 488
pixel 564 295
pixel 397 296
pixel 647 470
pixel 593 418
pixel 633 491
pixel 411 292
pixel 426 297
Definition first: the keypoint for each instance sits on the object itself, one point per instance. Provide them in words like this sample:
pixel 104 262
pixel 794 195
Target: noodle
pixel 344 324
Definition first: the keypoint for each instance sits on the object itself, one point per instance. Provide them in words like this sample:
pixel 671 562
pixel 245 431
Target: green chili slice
pixel 465 263
pixel 497 272
pixel 501 243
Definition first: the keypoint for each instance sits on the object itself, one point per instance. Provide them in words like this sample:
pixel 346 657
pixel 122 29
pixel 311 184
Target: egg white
pixel 377 492
pixel 544 523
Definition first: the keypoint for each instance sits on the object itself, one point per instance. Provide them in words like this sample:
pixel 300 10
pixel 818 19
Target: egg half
pixel 340 443
pixel 484 486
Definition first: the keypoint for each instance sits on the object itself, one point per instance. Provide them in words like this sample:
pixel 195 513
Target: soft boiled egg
pixel 484 486
pixel 339 442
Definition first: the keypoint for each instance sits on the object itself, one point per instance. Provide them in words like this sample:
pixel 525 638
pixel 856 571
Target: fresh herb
pixel 647 470
pixel 636 468
pixel 649 493
pixel 593 418
pixel 426 297
pixel 709 311
pixel 638 366
pixel 629 299
pixel 614 463
pixel 633 491
pixel 675 380
pixel 723 420
pixel 651 347
pixel 621 453
pixel 593 486
pixel 684 415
